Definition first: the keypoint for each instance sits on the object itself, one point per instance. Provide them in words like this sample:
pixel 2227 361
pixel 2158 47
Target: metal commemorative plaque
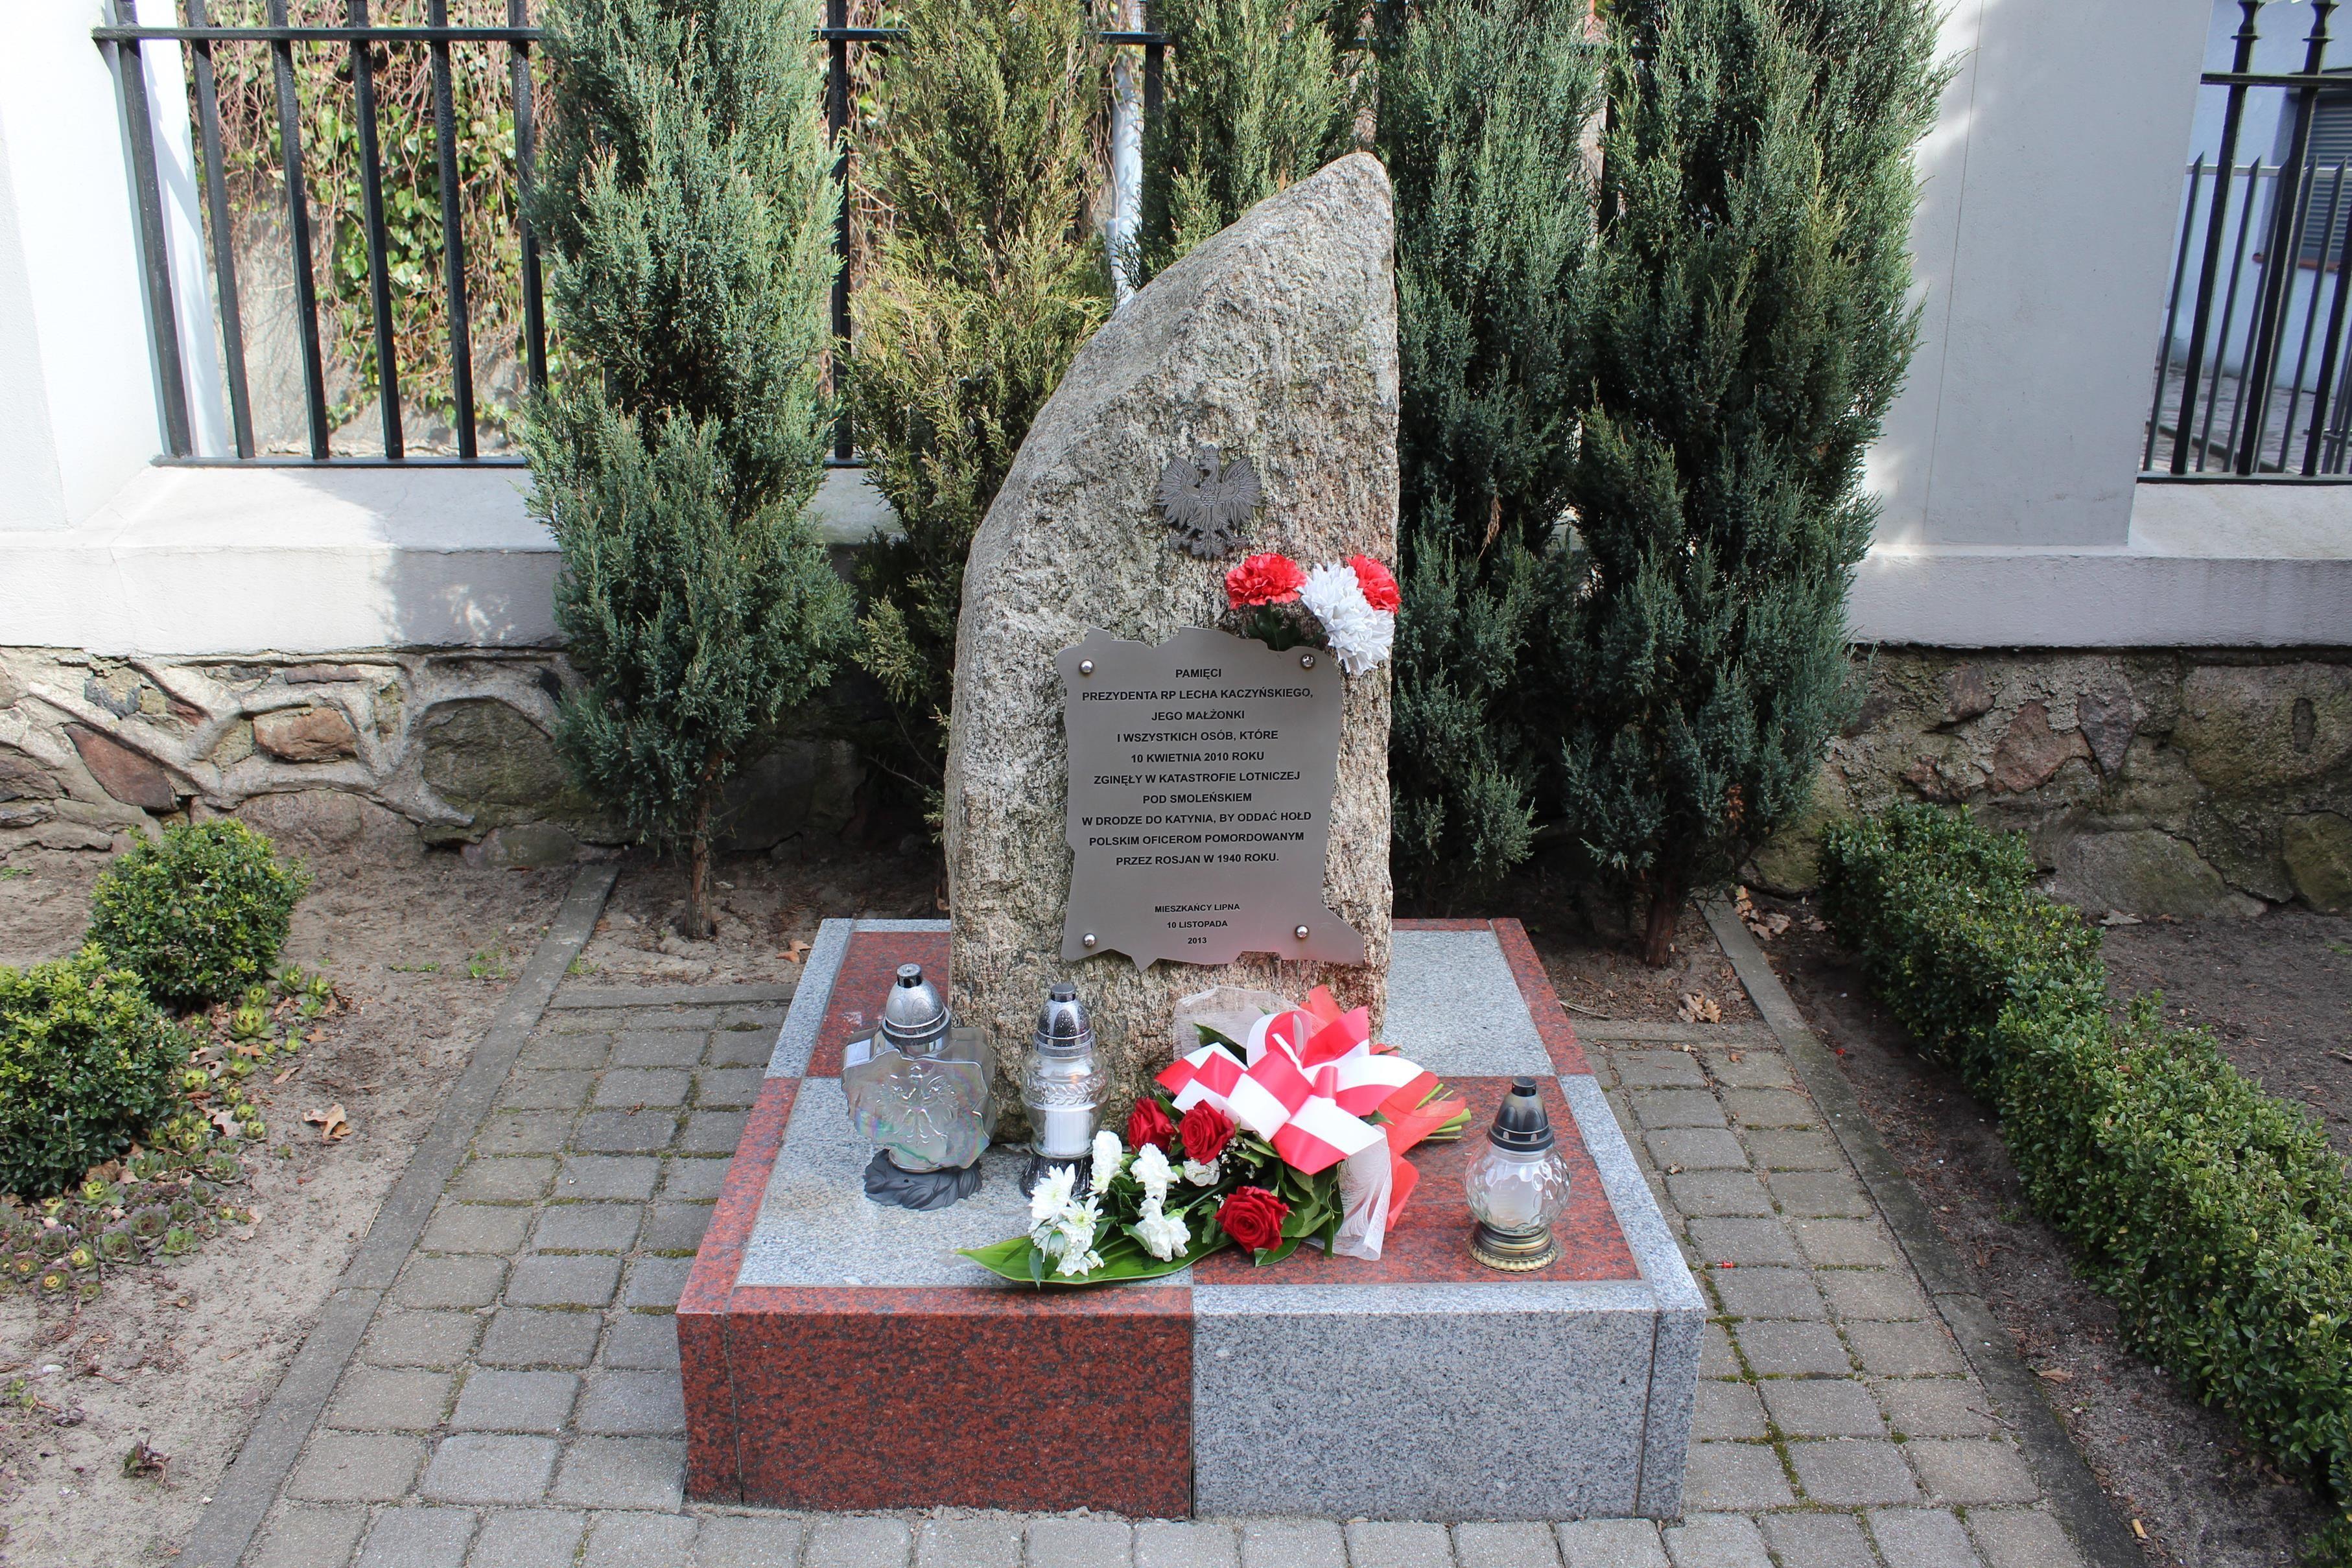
pixel 1201 772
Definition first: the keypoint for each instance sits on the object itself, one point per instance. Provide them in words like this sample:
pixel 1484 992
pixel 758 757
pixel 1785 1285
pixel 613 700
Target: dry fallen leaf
pixel 1699 1008
pixel 331 1123
pixel 287 1074
pixel 2051 1375
pixel 797 952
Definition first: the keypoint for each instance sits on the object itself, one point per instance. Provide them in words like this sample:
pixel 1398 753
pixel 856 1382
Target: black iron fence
pixel 2253 372
pixel 362 48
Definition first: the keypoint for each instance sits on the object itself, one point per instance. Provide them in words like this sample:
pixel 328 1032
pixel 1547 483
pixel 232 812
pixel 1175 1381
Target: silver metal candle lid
pixel 914 1017
pixel 1063 1027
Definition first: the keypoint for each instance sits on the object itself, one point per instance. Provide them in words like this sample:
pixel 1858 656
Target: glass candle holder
pixel 1061 1084
pixel 1517 1185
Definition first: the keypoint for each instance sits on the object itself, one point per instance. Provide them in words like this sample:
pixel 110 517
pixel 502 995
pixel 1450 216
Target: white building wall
pixel 2042 250
pixel 83 318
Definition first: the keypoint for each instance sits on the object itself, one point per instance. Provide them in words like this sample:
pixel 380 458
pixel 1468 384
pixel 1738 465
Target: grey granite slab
pixel 797 1039
pixel 1680 1308
pixel 817 1227
pixel 1455 1008
pixel 1420 1402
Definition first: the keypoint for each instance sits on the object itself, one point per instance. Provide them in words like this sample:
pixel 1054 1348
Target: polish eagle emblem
pixel 1206 502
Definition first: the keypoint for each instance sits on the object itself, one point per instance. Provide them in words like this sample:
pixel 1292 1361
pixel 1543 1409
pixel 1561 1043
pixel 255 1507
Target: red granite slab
pixel 1430 1243
pixel 862 1398
pixel 712 1457
pixel 1543 1003
pixel 867 968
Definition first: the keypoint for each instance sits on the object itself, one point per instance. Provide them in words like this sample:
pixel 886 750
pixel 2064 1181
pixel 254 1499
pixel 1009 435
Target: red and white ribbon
pixel 1304 1084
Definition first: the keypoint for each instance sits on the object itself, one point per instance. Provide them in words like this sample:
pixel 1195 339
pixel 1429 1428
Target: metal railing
pixel 2253 371
pixel 121 39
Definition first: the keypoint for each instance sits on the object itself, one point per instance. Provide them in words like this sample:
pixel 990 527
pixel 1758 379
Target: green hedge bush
pixel 200 916
pixel 87 1065
pixel 2216 1217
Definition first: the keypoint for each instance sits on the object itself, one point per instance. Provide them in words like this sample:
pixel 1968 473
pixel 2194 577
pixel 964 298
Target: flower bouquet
pixel 1294 1131
pixel 1349 609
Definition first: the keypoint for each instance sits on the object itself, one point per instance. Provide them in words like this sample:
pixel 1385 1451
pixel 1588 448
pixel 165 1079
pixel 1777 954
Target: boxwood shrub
pixel 2216 1217
pixel 87 1065
pixel 201 915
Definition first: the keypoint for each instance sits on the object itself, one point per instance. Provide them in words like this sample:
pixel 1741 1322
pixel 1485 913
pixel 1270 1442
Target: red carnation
pixel 1205 1131
pixel 1379 587
pixel 1265 580
pixel 1252 1216
pixel 1147 1124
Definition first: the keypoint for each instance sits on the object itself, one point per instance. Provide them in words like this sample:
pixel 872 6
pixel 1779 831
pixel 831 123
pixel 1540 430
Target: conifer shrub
pixel 2217 1218
pixel 1742 328
pixel 687 207
pixel 1482 106
pixel 1254 102
pixel 199 917
pixel 87 1065
pixel 987 281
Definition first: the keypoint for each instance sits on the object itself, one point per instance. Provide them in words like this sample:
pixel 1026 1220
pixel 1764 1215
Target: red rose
pixel 1379 587
pixel 1265 580
pixel 1252 1216
pixel 1205 1131
pixel 1147 1124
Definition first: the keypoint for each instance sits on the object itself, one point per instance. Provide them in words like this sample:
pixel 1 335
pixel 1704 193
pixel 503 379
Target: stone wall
pixel 397 750
pixel 2160 781
pixel 2163 781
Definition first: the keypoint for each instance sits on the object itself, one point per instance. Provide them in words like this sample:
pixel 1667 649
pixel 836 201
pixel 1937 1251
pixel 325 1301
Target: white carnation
pixel 1052 1194
pixel 1162 1235
pixel 1109 1155
pixel 1151 1168
pixel 1357 634
pixel 1201 1175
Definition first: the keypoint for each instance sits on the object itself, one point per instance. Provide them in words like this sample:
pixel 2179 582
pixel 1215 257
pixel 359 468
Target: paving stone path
pixel 515 1403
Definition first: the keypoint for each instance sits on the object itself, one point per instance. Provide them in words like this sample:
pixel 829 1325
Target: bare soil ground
pixel 2276 991
pixel 763 904
pixel 181 1357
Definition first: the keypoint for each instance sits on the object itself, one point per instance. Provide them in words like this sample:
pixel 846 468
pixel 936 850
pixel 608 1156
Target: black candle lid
pixel 1519 1121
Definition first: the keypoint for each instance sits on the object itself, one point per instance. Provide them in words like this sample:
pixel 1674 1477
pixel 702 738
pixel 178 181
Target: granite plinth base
pixel 837 1354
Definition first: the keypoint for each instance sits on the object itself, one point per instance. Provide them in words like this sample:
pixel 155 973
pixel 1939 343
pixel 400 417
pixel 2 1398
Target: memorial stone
pixel 1272 341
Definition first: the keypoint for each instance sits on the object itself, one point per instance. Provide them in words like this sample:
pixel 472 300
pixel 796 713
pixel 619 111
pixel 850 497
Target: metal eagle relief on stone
pixel 1202 773
pixel 1206 504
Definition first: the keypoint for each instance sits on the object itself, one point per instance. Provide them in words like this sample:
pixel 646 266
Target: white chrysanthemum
pixel 1052 1194
pixel 1164 1235
pixel 1201 1175
pixel 1358 634
pixel 1151 1168
pixel 1109 1155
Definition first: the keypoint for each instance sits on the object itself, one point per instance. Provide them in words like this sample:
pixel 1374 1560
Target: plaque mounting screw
pixel 1300 934
pixel 1306 660
pixel 1086 666
pixel 1087 940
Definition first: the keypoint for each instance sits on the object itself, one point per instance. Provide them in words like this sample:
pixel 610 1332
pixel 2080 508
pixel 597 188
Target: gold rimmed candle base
pixel 1513 1254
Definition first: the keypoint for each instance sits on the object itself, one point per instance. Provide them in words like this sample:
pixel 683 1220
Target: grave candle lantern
pixel 1061 1085
pixel 919 1089
pixel 1517 1185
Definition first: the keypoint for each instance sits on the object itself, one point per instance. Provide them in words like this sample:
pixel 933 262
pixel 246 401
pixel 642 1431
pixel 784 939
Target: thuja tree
pixel 1482 106
pixel 1254 102
pixel 688 212
pixel 983 288
pixel 1744 328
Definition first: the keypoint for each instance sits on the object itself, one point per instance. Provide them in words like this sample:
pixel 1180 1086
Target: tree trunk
pixel 1665 913
pixel 699 926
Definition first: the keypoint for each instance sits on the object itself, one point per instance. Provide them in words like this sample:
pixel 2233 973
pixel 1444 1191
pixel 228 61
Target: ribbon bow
pixel 1307 1079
